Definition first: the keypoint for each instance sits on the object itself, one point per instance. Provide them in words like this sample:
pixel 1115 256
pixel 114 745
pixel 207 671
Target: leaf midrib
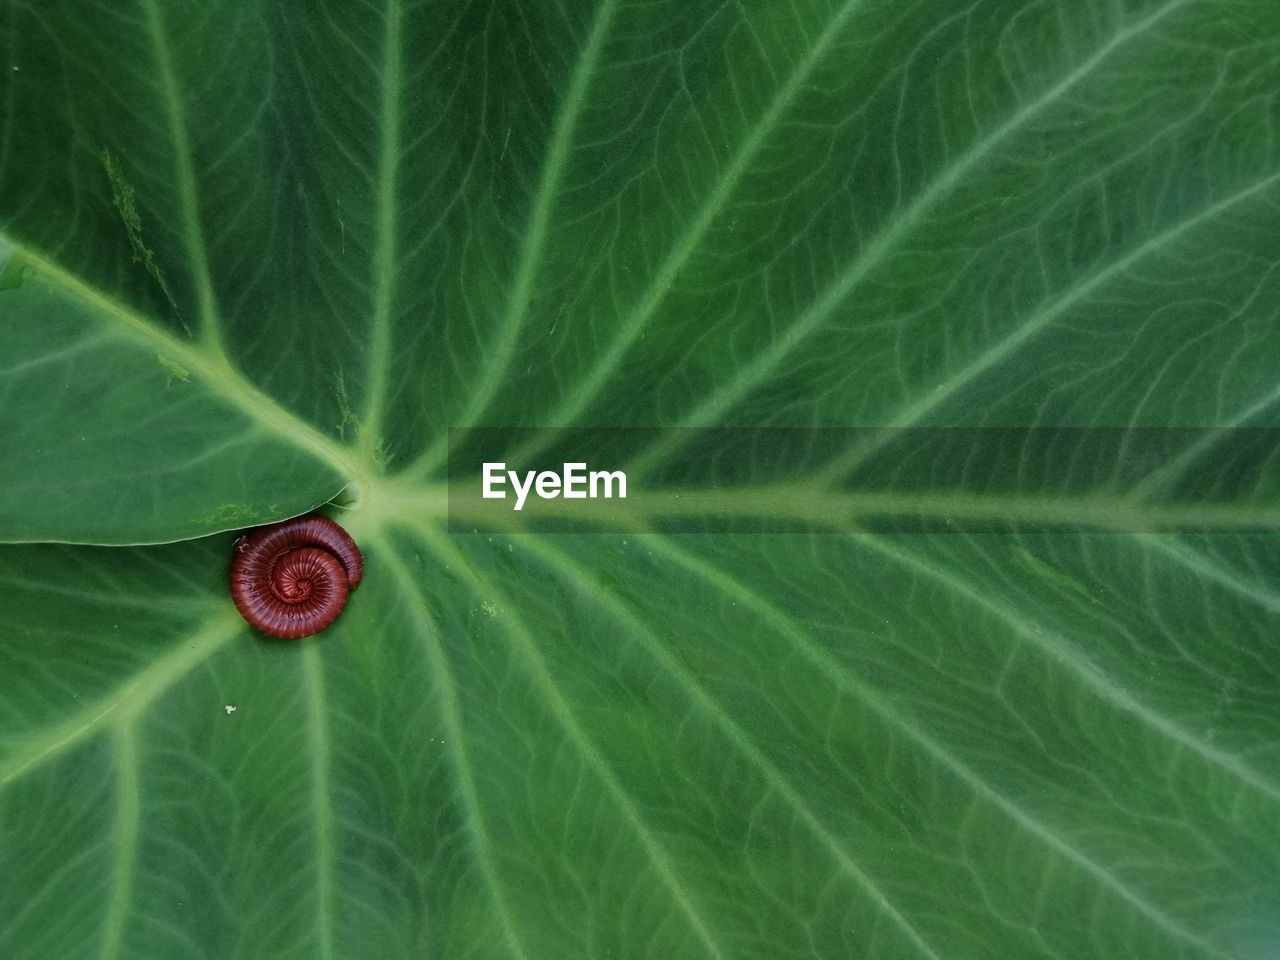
pixel 456 744
pixel 809 503
pixel 369 437
pixel 128 814
pixel 317 733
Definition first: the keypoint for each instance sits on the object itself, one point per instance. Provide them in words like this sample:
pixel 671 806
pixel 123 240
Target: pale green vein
pixel 748 375
pixel 185 176
pixel 321 803
pixel 733 733
pixel 126 702
pixel 384 255
pixel 804 503
pixel 455 743
pixel 844 676
pixel 1202 566
pixel 502 351
pixel 128 796
pixel 57 356
pixel 638 317
pixel 1165 476
pixel 565 716
pixel 215 373
pixel 1003 349
pixel 1061 651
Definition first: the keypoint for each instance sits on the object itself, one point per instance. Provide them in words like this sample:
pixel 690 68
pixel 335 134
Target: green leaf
pixel 258 257
pixel 117 432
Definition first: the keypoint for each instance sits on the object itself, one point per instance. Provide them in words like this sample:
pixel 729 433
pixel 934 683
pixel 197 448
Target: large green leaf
pixel 256 254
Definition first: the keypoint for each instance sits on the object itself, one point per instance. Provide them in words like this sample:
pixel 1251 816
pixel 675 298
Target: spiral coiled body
pixel 290 579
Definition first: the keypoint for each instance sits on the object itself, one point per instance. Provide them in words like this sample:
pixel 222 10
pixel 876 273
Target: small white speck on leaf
pixel 230 709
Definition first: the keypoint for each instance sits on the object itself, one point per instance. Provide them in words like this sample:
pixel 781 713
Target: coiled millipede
pixel 291 579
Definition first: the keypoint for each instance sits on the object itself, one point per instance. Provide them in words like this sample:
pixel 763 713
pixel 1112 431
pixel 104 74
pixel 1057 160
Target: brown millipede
pixel 290 579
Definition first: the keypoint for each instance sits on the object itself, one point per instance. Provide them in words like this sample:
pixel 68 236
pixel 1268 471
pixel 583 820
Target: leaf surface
pixel 255 255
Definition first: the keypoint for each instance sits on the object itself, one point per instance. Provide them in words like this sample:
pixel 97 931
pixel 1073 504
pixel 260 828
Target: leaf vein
pixel 568 721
